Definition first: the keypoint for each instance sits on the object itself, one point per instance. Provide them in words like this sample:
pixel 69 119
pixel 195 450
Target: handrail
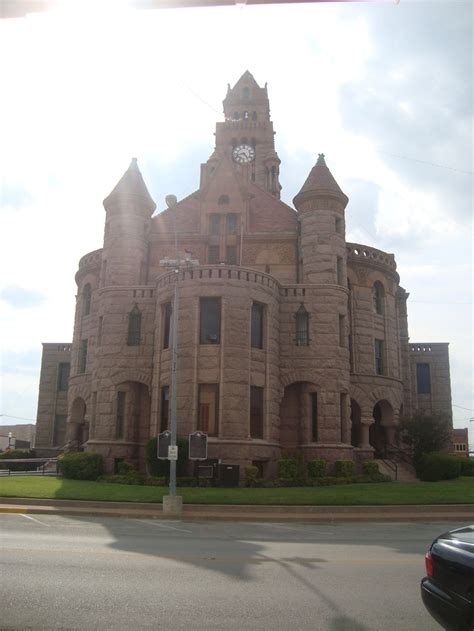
pixel 391 464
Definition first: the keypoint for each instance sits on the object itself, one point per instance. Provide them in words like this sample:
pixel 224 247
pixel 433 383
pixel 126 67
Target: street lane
pixel 62 572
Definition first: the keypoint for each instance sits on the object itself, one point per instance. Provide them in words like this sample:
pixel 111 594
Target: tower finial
pixel 321 159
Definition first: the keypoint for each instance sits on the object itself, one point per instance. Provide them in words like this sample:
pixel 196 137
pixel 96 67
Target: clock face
pixel 243 154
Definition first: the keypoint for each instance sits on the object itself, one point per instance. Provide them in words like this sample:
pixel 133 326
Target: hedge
pixel 467 466
pixel 288 468
pixel 15 454
pixel 81 466
pixel 436 466
pixel 369 467
pixel 344 468
pixel 251 476
pixel 161 468
pixel 316 469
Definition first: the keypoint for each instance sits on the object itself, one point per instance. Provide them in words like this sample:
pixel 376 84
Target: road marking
pixel 36 520
pixel 154 523
pixel 284 527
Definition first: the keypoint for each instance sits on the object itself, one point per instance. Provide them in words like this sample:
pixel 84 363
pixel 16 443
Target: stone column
pixel 364 434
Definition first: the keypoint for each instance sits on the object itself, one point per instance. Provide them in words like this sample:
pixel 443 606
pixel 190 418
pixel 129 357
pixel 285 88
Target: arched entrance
pixel 383 417
pixel 78 427
pixel 355 424
pixel 133 411
pixel 298 410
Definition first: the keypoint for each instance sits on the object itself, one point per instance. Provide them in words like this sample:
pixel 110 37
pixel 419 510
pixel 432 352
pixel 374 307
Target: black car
pixel 448 588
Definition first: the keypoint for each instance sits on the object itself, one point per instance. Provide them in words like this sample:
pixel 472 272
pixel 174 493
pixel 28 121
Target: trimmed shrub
pixel 251 476
pixel 161 468
pixel 369 467
pixel 186 480
pixel 288 482
pixel 434 467
pixel 15 454
pixel 124 468
pixel 81 466
pixel 149 481
pixel 467 466
pixel 344 468
pixel 316 469
pixel 288 468
pixel 133 477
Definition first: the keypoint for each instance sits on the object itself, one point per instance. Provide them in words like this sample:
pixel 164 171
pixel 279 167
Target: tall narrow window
pixel 378 348
pixel 82 356
pixel 213 254
pixel 63 376
pixel 342 414
pixel 423 379
pixel 231 223
pixel 231 255
pixel 166 314
pixel 302 327
pixel 339 225
pixel 256 336
pixel 120 414
pixel 210 321
pixel 99 330
pixel 314 417
pixel 103 274
pixel 342 330
pixel 214 224
pixel 164 411
pixel 134 327
pixel 378 294
pixel 339 271
pixel 208 408
pixel 86 299
pixel 256 412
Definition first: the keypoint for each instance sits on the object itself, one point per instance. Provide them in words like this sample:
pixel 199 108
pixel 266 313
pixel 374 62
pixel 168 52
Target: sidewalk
pixel 455 512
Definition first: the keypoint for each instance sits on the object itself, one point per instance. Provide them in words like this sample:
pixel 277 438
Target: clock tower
pixel 247 137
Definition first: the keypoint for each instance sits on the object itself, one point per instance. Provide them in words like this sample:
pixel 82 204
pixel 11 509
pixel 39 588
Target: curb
pixel 456 512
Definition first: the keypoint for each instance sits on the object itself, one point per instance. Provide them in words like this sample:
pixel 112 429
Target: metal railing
pixel 40 469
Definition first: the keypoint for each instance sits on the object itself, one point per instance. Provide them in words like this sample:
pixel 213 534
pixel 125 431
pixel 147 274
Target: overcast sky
pixel 384 90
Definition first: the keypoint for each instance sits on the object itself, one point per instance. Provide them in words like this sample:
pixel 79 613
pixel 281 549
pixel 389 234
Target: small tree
pixel 425 434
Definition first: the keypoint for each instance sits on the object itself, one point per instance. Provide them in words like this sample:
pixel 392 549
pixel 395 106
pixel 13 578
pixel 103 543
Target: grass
pixel 460 491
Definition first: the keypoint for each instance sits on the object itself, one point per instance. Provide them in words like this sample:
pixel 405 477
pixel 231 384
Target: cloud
pixel 21 298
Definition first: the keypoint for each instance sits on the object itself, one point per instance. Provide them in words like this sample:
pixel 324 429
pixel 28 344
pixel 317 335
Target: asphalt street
pixel 61 572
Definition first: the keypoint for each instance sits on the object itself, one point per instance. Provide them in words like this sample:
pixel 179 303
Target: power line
pixel 460 406
pixel 433 164
pixel 19 418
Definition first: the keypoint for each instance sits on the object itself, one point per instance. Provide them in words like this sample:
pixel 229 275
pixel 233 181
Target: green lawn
pixel 459 491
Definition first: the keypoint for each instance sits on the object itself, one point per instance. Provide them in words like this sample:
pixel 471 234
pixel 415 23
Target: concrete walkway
pixel 459 512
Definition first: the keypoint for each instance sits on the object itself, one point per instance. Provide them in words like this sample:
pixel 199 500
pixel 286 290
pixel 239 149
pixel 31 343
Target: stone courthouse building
pixel 291 339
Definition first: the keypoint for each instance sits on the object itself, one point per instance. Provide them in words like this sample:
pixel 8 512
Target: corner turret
pixel 128 208
pixel 320 204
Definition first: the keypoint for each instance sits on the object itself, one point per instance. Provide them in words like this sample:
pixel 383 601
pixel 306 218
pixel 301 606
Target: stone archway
pixel 356 415
pixel 383 418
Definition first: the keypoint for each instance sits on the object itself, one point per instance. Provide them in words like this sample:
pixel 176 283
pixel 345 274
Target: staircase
pixel 400 471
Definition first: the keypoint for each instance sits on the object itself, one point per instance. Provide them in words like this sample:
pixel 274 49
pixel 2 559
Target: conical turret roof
pixel 320 181
pixel 246 79
pixel 132 184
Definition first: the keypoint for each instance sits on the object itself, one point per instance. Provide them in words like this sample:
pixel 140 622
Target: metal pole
pixel 174 366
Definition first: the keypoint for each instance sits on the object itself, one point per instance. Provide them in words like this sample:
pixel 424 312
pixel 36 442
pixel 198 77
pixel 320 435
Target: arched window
pixel 86 299
pixel 302 326
pixel 246 116
pixel 134 327
pixel 254 116
pixel 223 199
pixel 378 294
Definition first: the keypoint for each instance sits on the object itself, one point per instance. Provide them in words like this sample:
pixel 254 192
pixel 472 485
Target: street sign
pixel 173 452
pixel 163 442
pixel 198 446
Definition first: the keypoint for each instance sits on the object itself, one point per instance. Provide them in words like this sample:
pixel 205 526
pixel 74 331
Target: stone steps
pixel 405 472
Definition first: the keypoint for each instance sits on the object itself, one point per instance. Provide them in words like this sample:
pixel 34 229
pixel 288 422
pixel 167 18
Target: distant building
pixel 291 339
pixel 461 442
pixel 23 436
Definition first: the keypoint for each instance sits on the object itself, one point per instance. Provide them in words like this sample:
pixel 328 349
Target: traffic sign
pixel 173 452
